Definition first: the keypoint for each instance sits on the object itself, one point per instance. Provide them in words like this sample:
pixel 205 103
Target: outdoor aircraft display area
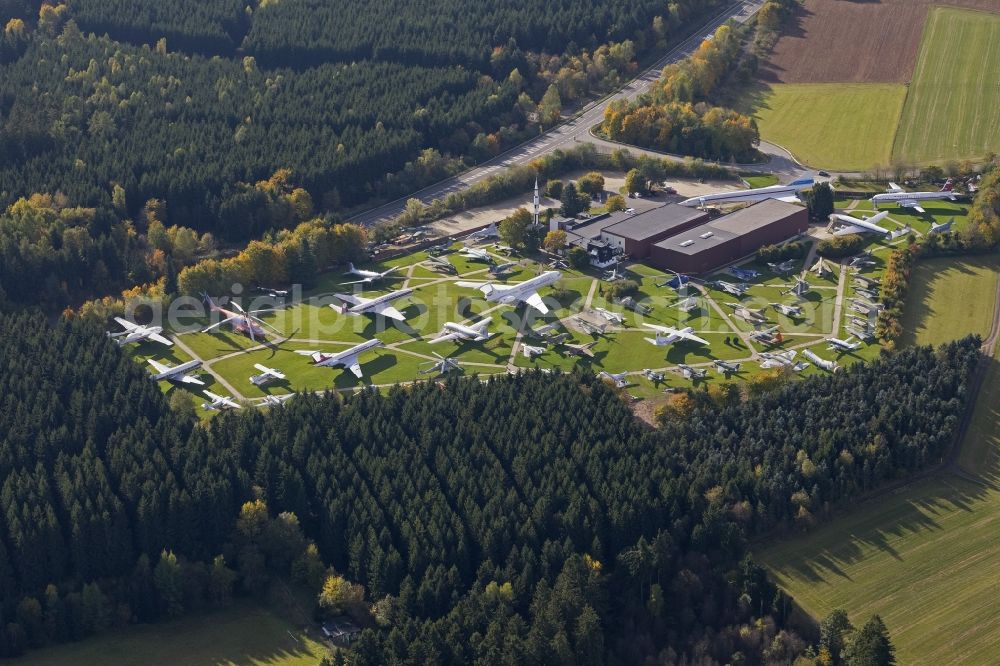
pixel 801 316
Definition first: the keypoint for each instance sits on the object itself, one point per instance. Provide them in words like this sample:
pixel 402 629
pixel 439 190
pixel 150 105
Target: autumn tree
pixel 340 596
pixel 513 227
pixel 555 241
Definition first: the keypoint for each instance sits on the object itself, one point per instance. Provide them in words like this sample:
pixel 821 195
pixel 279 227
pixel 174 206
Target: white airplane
pixel 820 268
pixel 843 345
pixel 634 306
pixel 439 264
pixel 653 375
pixel 580 350
pixel 522 292
pixel 176 373
pixel 726 368
pixel 909 199
pixel 476 255
pixel 136 333
pixel 781 192
pixel 531 351
pixel 483 234
pixel 942 228
pixel 748 314
pixel 345 359
pixel 590 327
pixel 506 249
pixel 442 366
pixel 829 366
pixel 853 225
pixel 687 305
pixel 785 359
pixel 367 277
pixel 219 402
pixel 475 333
pixel 375 306
pixel 693 374
pixel 500 270
pixel 275 400
pixel 737 290
pixel 619 379
pixel 787 310
pixel 668 335
pixel 768 336
pixel 800 288
pixel 784 268
pixel 612 317
pixel 266 376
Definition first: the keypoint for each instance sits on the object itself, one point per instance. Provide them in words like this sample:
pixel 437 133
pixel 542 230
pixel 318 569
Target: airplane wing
pixel 445 338
pixel 189 379
pixel 361 281
pixel 354 367
pixel 893 187
pixel 910 203
pixel 387 310
pixel 269 371
pixel 160 368
pixel 162 340
pixel 662 329
pixel 691 336
pixel 353 300
pixel 535 301
pixel 790 199
pixel 850 229
pixel 129 326
pixel 214 397
pixel 465 284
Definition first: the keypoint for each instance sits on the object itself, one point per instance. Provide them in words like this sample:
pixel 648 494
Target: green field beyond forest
pixel 925 556
pixel 840 126
pixel 949 111
pixel 952 106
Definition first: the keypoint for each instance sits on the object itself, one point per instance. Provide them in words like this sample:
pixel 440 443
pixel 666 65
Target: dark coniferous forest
pixel 185 101
pixel 527 519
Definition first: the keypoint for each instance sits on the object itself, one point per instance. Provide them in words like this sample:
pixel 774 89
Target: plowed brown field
pixel 845 41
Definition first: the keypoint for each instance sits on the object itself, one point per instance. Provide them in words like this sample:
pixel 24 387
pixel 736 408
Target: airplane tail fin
pixel 803 182
pixel 948 186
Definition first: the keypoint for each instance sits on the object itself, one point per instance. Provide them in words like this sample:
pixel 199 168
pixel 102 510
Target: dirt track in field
pixel 854 41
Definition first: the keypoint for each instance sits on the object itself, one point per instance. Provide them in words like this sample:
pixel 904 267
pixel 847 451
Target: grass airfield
pixel 307 322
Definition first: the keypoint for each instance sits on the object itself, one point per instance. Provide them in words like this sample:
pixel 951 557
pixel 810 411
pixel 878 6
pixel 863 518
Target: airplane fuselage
pixel 367 306
pixel 332 360
pixel 518 292
pixel 751 195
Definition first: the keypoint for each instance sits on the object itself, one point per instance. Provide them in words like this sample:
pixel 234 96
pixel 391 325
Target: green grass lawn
pixel 952 108
pixel 846 127
pixel 241 635
pixel 760 180
pixel 950 298
pixel 925 557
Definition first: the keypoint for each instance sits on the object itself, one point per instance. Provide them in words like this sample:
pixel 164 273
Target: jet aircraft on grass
pixel 137 333
pixel 668 335
pixel 368 277
pixel 380 305
pixel 478 332
pixel 521 292
pixel 345 359
pixel 176 373
pixel 898 195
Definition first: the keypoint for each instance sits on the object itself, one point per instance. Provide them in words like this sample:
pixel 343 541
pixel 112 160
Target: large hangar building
pixel 726 239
